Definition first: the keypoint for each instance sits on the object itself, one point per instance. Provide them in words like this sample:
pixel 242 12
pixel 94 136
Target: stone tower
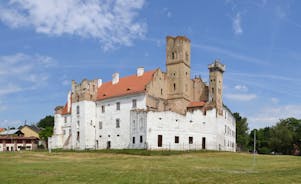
pixel 178 66
pixel 85 91
pixel 216 71
pixel 178 72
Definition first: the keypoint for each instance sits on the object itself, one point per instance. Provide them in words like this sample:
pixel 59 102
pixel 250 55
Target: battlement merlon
pixel 178 38
pixel 217 66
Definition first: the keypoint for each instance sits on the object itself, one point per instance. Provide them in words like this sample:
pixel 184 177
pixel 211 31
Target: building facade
pixel 148 110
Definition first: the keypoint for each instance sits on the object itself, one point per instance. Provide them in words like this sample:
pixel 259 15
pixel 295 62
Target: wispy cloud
pixel 236 24
pixel 24 72
pixel 241 97
pixel 235 55
pixel 243 88
pixel 269 116
pixel 113 23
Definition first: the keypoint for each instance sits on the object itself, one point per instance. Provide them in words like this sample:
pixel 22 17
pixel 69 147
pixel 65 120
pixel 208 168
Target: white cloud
pixel 167 12
pixel 24 72
pixel 113 23
pixel 236 55
pixel 269 116
pixel 241 97
pixel 241 88
pixel 236 24
pixel 274 100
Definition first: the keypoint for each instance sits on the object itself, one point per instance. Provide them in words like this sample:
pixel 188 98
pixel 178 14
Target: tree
pixel 46 124
pixel 285 136
pixel 242 136
pixel 45 133
pixel 48 121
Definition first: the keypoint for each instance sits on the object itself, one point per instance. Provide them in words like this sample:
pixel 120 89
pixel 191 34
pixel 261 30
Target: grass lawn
pixel 157 167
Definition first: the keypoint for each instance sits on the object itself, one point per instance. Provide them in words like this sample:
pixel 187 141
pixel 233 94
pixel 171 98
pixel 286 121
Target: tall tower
pixel 216 71
pixel 178 67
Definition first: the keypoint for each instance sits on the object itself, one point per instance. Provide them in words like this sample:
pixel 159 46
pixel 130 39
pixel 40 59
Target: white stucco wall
pixel 195 124
pixel 119 138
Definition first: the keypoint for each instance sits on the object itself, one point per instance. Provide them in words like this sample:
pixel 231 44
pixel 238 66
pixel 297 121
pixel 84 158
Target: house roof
pixel 196 104
pixel 2 129
pixel 126 85
pixel 10 132
pixel 32 127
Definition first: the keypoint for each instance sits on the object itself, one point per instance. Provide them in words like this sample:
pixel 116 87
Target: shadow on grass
pixel 142 152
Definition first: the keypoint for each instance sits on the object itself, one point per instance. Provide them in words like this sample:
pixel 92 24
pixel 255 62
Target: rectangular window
pixel 118 106
pixel 134 103
pixel 65 119
pixel 64 132
pixel 141 138
pixel 133 140
pixel 190 140
pixel 100 125
pixel 77 109
pixel 177 139
pixel 117 123
pixel 77 136
pixel 103 109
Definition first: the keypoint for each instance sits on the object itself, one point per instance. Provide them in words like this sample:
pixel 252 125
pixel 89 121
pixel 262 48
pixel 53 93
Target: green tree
pixel 242 136
pixel 45 133
pixel 285 134
pixel 48 121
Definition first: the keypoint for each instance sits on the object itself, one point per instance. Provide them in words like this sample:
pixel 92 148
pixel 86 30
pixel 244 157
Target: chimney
pixel 140 71
pixel 99 83
pixel 115 77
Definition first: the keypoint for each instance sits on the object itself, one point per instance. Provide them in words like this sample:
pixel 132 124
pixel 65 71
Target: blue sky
pixel 47 43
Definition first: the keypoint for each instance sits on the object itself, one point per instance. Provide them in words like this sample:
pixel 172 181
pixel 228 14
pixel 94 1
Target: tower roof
pixel 217 66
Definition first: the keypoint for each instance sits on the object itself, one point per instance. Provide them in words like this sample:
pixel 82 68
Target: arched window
pixel 174 86
pixel 172 55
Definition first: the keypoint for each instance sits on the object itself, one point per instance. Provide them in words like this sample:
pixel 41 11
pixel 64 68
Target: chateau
pixel 149 109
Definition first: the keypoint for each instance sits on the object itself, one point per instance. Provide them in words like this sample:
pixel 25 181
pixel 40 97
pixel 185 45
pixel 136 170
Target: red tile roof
pixel 65 110
pixel 2 129
pixel 126 85
pixel 196 104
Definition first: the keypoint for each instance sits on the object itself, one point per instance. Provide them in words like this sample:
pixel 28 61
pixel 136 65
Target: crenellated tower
pixel 216 71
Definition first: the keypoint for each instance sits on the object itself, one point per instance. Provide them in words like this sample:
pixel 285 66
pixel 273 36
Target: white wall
pixel 119 138
pixel 195 124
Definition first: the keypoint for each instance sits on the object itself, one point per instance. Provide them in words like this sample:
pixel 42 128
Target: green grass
pixel 132 166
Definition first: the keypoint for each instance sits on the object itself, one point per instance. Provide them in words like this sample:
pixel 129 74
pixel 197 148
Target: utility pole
pixel 254 151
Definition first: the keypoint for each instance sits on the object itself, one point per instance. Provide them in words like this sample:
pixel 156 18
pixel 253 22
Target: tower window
pixel 172 55
pixel 100 125
pixel 212 90
pixel 161 91
pixel 187 56
pixel 174 86
pixel 77 109
pixel 117 123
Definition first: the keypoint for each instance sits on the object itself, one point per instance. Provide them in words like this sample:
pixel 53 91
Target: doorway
pixel 204 143
pixel 160 137
pixel 109 145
